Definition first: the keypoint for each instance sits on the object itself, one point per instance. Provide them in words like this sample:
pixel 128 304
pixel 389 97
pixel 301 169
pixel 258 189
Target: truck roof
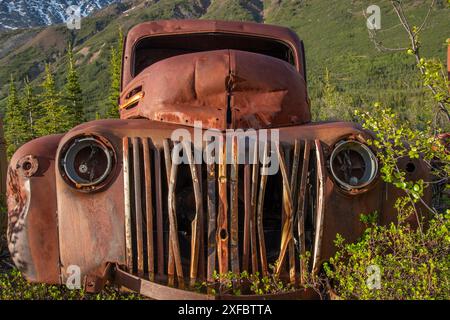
pixel 174 27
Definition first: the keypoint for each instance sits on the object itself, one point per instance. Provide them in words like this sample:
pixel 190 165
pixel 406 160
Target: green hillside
pixel 334 33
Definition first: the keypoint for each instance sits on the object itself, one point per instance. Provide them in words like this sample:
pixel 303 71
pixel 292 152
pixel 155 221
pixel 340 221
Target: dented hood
pixel 223 89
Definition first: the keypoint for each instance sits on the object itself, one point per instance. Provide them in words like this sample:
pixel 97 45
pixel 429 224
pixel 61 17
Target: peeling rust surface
pixel 18 204
pixel 264 91
pixel 32 224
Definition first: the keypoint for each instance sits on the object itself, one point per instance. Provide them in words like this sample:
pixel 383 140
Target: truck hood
pixel 223 89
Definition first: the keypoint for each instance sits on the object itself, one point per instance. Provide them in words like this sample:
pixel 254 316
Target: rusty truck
pixel 107 199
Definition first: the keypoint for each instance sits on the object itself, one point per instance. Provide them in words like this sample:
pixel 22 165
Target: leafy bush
pixel 13 286
pixel 413 261
pixel 412 264
pixel 245 283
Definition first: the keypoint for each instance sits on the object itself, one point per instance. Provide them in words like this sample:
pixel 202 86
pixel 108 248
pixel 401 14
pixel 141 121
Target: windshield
pixel 153 49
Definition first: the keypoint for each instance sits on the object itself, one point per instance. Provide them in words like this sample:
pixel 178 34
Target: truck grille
pixel 183 222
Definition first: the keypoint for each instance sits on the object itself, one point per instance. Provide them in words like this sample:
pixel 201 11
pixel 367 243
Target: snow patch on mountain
pixel 15 14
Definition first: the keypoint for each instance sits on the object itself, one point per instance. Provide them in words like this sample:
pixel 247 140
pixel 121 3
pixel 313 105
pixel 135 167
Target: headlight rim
pixel 106 177
pixel 344 186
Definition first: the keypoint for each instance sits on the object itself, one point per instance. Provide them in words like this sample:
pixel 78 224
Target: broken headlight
pixel 86 162
pixel 353 165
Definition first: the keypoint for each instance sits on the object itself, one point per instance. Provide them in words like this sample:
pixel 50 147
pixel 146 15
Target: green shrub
pixel 245 283
pixel 413 262
pixel 13 286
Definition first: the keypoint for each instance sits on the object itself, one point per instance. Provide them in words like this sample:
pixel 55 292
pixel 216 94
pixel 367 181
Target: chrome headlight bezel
pixel 73 175
pixel 366 156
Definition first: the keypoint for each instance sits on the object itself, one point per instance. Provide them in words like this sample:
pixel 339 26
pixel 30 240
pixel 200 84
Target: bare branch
pixel 379 44
pixel 427 16
pixel 415 46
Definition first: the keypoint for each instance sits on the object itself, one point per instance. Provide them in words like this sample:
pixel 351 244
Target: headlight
pixel 353 165
pixel 86 162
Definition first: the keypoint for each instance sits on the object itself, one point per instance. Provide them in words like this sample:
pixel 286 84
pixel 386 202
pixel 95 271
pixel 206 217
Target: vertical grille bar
pixel 159 213
pixel 222 235
pixel 138 207
pixel 148 208
pixel 212 219
pixel 293 186
pixel 173 234
pixel 286 233
pixel 254 195
pixel 294 173
pixel 127 203
pixel 320 206
pixel 171 262
pixel 247 213
pixel 301 204
pixel 198 220
pixel 234 231
pixel 262 191
pixel 201 254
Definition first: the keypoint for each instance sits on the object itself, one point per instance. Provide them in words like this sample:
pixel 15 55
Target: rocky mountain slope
pixel 19 14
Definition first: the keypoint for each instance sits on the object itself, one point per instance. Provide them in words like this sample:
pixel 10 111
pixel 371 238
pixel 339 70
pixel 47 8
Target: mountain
pixel 15 14
pixel 334 33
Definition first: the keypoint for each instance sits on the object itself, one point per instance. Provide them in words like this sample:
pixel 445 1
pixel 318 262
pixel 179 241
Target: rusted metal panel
pixel 264 91
pixel 91 224
pixel 155 290
pixel 32 222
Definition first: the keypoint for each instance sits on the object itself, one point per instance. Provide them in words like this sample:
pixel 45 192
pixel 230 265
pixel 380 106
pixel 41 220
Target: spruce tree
pixel 115 68
pixel 15 121
pixel 56 117
pixel 28 105
pixel 73 93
